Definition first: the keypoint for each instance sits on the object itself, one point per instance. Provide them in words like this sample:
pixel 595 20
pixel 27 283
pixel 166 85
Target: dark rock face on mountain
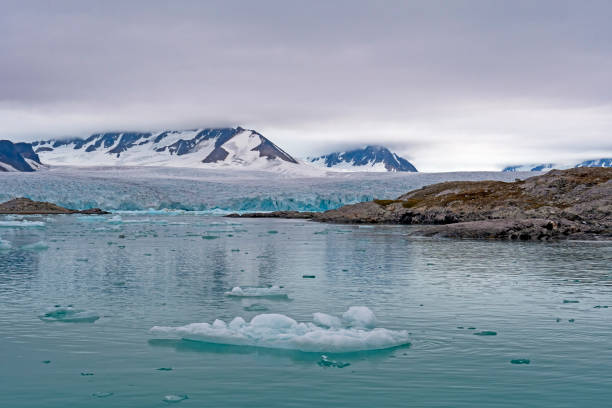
pixel 15 156
pixel 27 206
pixel 370 158
pixel 561 204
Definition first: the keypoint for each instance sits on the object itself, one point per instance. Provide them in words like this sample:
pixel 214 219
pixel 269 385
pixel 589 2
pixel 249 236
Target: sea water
pixel 478 323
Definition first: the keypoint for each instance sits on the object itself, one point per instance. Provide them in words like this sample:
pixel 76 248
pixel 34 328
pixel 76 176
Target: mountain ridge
pixel 236 147
pixel 602 162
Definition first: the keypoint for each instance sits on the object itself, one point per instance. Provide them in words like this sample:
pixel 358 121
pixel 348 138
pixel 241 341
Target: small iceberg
pixel 257 291
pixel 69 315
pixel 352 333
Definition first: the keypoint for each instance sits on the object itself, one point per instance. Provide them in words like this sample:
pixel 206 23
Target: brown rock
pixel 561 204
pixel 26 206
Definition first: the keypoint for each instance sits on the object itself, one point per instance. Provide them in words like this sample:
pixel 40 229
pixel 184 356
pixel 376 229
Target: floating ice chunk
pixel 4 244
pixel 115 220
pixel 36 246
pixel 325 320
pixel 282 332
pixel 22 224
pixel 172 398
pixel 69 315
pixel 272 291
pixel 327 362
pixel 360 316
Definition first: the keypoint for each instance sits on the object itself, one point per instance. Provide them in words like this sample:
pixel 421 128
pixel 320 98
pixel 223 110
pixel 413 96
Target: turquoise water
pixel 545 302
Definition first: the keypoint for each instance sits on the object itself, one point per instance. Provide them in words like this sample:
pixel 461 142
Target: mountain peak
pixel 370 158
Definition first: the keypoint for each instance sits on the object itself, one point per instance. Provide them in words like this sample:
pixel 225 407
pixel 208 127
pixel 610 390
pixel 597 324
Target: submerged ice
pixel 69 314
pixel 354 332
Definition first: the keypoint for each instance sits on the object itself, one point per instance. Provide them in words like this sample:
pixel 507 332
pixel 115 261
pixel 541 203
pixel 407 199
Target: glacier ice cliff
pixel 192 189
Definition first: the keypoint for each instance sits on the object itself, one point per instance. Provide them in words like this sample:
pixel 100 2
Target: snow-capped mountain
pixel 596 163
pixel 370 158
pixel 531 167
pixel 606 162
pixel 236 147
pixel 18 157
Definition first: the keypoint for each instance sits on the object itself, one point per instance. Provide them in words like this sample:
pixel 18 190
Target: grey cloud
pixel 299 65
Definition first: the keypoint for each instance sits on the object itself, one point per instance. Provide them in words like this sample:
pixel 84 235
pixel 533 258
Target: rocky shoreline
pixel 561 204
pixel 25 206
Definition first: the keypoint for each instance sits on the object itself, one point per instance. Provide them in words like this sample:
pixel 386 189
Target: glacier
pixel 215 190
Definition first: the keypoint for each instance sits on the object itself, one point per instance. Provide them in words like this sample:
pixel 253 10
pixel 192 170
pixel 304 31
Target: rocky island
pixel 26 206
pixel 561 204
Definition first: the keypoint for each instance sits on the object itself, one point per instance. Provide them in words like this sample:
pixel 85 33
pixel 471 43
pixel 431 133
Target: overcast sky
pixel 450 85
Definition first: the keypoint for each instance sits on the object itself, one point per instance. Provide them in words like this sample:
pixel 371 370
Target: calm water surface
pixel 546 302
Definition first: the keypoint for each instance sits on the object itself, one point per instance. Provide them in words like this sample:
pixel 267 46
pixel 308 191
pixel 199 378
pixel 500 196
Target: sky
pixel 450 85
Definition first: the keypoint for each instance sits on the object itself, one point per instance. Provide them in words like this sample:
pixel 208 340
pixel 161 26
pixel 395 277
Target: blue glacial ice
pixel 213 190
pixel 278 331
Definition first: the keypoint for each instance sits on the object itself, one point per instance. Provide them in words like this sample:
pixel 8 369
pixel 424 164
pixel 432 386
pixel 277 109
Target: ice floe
pixel 258 291
pixel 324 334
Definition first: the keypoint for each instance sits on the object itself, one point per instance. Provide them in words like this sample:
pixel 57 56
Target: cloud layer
pixel 459 85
